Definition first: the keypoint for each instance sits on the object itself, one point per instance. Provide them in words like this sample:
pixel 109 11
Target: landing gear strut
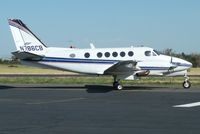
pixel 186 83
pixel 116 84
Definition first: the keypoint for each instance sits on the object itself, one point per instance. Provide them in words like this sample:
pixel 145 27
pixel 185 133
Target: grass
pixel 59 80
pixel 194 71
pixel 19 69
pixel 168 81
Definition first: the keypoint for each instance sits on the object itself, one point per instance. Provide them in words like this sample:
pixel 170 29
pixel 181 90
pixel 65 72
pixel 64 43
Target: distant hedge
pixel 12 60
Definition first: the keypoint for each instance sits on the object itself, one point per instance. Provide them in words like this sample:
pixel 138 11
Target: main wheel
pixel 117 86
pixel 186 84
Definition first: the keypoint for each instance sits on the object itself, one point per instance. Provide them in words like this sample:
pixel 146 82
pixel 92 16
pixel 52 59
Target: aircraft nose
pixel 182 63
pixel 187 64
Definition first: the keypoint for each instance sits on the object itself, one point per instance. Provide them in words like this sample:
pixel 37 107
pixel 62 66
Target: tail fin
pixel 24 39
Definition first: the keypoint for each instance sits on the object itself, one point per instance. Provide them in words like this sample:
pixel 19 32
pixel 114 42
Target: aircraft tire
pixel 186 84
pixel 117 86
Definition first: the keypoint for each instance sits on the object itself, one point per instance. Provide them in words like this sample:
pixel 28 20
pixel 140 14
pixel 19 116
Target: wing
pixel 122 68
pixel 27 56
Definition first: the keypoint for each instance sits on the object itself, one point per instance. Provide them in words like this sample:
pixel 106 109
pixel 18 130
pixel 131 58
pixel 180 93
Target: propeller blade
pixel 171 59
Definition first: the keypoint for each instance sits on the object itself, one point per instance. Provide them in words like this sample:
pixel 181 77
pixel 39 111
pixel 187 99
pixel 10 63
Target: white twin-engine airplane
pixel 122 63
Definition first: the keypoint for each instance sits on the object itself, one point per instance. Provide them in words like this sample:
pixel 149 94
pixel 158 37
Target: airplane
pixel 128 63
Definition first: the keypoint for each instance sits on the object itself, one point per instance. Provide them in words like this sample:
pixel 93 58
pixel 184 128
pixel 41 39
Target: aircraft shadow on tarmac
pixel 3 87
pixel 106 88
pixel 88 88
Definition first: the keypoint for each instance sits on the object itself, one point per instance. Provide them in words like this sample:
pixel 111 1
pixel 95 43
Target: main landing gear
pixel 186 83
pixel 116 84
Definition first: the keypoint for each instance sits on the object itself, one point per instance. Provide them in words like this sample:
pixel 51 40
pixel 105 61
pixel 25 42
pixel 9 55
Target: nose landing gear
pixel 186 83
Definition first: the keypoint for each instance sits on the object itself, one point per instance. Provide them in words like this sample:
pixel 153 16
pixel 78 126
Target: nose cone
pixel 182 63
pixel 189 64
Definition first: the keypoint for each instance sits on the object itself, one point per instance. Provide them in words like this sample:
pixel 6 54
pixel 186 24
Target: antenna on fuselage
pixel 92 46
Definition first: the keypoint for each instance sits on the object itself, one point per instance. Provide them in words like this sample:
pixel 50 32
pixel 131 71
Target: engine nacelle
pixel 142 73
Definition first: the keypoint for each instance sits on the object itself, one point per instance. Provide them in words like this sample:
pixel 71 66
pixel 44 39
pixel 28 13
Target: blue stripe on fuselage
pixel 154 68
pixel 97 61
pixel 181 64
pixel 73 60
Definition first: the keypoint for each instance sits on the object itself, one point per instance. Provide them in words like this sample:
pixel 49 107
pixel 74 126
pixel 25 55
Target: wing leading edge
pixel 122 67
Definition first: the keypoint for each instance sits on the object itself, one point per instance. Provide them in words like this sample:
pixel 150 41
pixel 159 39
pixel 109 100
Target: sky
pixel 159 24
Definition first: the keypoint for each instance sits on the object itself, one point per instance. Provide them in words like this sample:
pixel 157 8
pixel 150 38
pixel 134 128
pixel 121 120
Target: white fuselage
pixel 96 61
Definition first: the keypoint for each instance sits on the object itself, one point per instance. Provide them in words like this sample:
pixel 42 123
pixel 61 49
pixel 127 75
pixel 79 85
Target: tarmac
pixel 97 109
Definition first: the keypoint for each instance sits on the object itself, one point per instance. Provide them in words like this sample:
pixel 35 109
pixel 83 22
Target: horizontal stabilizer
pixel 27 56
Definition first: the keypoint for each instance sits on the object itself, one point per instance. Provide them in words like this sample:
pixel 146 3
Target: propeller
pixel 172 67
pixel 171 60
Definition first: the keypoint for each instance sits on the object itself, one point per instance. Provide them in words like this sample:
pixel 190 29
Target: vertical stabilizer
pixel 24 39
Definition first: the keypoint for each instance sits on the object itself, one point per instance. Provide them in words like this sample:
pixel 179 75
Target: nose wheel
pixel 186 83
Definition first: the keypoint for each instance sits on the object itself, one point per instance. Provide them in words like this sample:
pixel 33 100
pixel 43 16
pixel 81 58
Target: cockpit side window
pixel 147 53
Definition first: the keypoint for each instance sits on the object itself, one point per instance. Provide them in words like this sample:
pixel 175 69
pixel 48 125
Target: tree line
pixel 194 58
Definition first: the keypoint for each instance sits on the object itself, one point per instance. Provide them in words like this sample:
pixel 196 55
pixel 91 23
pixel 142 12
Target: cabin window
pixel 107 54
pixel 147 53
pixel 130 53
pixel 114 54
pixel 99 54
pixel 87 55
pixel 122 54
pixel 72 55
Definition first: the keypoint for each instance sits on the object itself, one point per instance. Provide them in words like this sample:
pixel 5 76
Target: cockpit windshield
pixel 156 52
